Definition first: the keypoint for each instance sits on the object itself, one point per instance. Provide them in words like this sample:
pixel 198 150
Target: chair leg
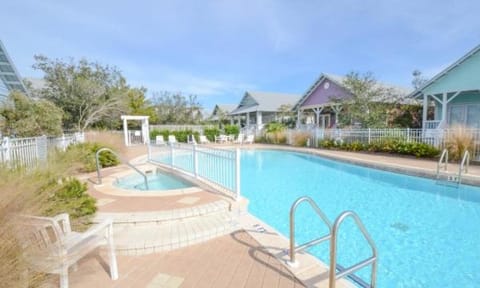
pixel 64 277
pixel 112 256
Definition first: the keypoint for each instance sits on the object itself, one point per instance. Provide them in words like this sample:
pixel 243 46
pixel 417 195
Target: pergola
pixel 145 128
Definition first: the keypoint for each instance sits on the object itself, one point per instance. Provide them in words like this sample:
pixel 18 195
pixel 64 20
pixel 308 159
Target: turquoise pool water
pixel 156 181
pixel 428 235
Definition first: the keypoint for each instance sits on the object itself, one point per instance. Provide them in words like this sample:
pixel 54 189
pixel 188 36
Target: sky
pixel 217 50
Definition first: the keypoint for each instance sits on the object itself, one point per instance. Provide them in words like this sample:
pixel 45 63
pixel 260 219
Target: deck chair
pixel 172 139
pixel 203 139
pixel 159 140
pixel 50 246
pixel 250 139
pixel 191 139
pixel 221 139
pixel 239 139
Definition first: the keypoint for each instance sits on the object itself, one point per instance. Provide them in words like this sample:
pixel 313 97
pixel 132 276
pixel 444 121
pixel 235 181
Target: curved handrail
pixel 333 276
pixel 320 213
pixel 443 158
pixel 123 160
pixel 464 165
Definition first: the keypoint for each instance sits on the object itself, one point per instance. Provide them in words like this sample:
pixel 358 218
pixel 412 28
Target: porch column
pixel 425 110
pixel 444 110
pixel 259 120
pixel 231 120
pixel 125 130
pixel 298 117
pixel 336 110
pixel 248 119
pixel 239 122
pixel 317 115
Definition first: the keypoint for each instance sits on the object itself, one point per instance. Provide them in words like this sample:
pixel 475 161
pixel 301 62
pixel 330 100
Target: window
pixel 466 115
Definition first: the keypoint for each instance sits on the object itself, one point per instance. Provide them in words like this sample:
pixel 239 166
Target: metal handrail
pixel 123 160
pixel 301 247
pixel 333 276
pixel 464 165
pixel 443 158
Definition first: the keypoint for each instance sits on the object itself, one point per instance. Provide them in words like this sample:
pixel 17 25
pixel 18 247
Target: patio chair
pixel 159 140
pixel 250 139
pixel 203 139
pixel 191 139
pixel 221 139
pixel 239 138
pixel 50 246
pixel 172 139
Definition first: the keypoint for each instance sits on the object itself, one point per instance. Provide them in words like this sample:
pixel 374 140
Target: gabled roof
pixel 9 75
pixel 444 72
pixel 227 108
pixel 402 92
pixel 264 101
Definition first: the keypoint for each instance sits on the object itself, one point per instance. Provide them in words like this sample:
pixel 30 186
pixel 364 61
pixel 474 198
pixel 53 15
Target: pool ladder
pixel 450 177
pixel 97 161
pixel 332 236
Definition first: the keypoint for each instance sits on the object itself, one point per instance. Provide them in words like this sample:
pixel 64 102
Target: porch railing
pixel 433 124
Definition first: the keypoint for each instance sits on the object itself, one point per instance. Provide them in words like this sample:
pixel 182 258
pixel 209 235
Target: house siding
pixel 322 96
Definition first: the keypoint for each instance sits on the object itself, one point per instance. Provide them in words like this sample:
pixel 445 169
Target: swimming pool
pixel 427 235
pixel 156 181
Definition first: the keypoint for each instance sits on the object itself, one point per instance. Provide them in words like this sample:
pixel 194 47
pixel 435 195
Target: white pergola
pixel 145 128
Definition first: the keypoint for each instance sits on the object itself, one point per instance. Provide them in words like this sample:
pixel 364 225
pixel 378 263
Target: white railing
pixel 195 128
pixel 433 124
pixel 30 151
pixel 218 167
pixel 437 137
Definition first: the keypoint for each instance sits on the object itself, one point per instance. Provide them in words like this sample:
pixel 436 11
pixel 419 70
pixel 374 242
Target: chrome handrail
pixel 443 158
pixel 464 165
pixel 333 276
pixel 320 213
pixel 123 160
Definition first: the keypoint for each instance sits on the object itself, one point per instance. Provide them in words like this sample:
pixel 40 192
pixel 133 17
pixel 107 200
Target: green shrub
pixel 210 133
pixel 86 154
pixel 71 198
pixel 180 135
pixel 232 130
pixel 274 127
pixel 326 143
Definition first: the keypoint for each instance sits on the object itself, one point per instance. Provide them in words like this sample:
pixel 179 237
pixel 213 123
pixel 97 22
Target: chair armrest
pixel 104 225
pixel 64 220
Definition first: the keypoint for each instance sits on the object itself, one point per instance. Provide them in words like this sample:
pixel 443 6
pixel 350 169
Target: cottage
pixel 455 94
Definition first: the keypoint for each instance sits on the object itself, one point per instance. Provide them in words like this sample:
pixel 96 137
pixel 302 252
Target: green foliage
pixel 138 104
pixel 210 133
pixel 273 127
pixel 25 117
pixel 389 145
pixel 86 152
pixel 231 130
pixel 181 136
pixel 88 93
pixel 71 198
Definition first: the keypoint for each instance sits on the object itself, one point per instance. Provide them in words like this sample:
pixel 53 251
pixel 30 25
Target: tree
pixel 175 108
pixel 87 92
pixel 418 80
pixel 26 117
pixel 286 115
pixel 368 103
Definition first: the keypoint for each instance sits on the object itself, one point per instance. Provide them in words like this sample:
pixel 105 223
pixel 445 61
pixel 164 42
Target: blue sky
pixel 219 49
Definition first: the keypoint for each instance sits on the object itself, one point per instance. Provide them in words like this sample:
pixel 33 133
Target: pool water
pixel 427 235
pixel 156 181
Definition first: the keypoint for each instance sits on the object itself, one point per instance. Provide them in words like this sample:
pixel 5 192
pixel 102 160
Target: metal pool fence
pixel 218 167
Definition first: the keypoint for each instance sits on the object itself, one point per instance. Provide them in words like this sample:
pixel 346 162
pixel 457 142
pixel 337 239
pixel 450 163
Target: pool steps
pixel 153 232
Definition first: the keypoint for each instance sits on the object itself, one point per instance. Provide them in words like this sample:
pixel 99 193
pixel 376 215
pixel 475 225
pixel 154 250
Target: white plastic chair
pixel 203 139
pixel 250 139
pixel 159 140
pixel 221 139
pixel 50 246
pixel 239 138
pixel 172 139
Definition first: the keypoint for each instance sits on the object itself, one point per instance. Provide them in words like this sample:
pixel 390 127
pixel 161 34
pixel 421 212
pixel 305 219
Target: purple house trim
pixel 324 93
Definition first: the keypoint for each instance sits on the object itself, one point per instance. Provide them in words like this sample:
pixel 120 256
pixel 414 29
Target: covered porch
pixel 324 116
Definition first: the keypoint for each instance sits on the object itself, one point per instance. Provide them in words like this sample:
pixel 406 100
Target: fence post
pixel 149 151
pixel 6 149
pixel 408 134
pixel 369 135
pixel 172 156
pixel 64 143
pixel 195 160
pixel 42 149
pixel 237 174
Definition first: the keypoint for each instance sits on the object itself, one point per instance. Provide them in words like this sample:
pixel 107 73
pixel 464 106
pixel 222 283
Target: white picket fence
pixel 435 137
pixel 218 167
pixel 31 151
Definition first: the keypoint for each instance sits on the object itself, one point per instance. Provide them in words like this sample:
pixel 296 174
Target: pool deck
pixel 247 257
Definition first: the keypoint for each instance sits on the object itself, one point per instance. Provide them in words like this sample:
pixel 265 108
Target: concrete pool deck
pixel 251 256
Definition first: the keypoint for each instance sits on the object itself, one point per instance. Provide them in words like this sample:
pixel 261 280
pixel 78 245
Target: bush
pixel 276 137
pixel 180 135
pixel 210 133
pixel 458 141
pixel 232 130
pixel 86 153
pixel 300 139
